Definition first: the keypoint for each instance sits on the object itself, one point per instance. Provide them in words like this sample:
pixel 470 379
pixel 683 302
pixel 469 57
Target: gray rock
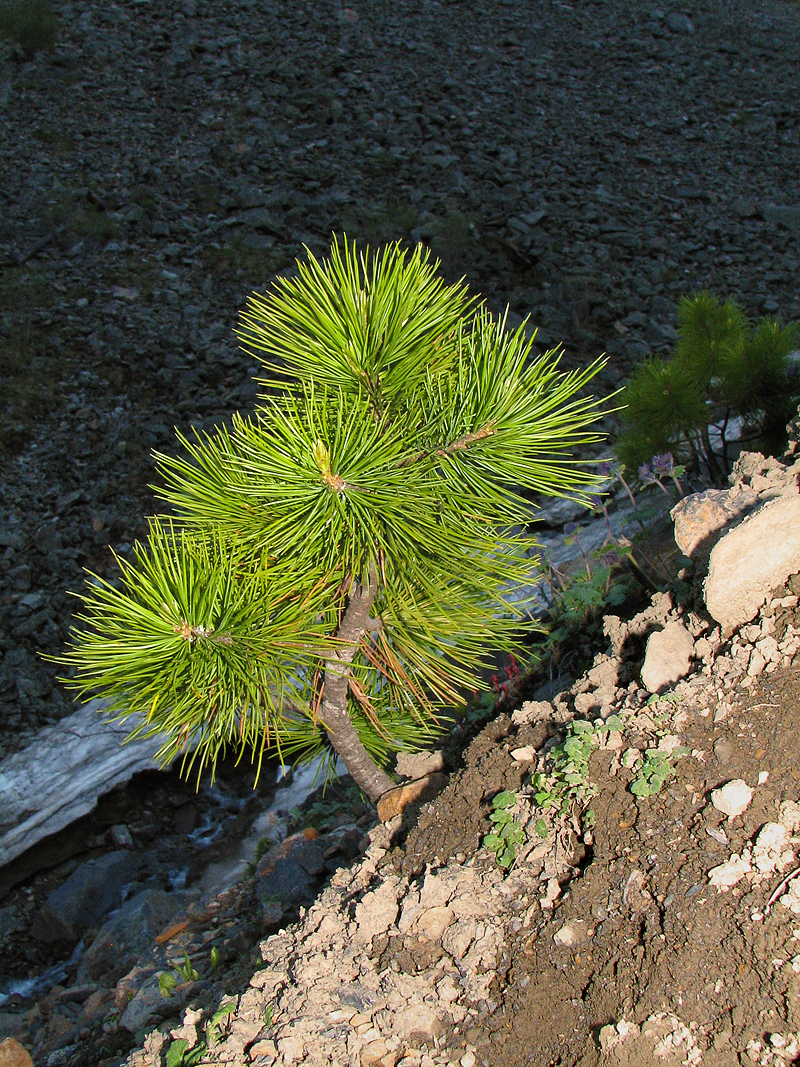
pixel 679 23
pixel 87 895
pixel 124 937
pixel 288 872
pixel 51 783
pixel 784 216
pixel 668 657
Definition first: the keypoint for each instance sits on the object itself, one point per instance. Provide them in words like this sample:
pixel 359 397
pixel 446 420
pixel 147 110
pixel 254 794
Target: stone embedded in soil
pixel 668 657
pixel 733 798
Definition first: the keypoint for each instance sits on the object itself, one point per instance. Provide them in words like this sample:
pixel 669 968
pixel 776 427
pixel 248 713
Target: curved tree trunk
pixel 334 717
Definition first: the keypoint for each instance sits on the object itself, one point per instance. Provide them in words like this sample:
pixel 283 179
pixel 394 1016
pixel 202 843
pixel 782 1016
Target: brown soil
pixel 653 936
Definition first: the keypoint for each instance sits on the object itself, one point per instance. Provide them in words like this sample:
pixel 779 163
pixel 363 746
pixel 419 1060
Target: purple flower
pixel 663 464
pixel 646 474
pixel 608 559
pixel 570 528
pixel 605 468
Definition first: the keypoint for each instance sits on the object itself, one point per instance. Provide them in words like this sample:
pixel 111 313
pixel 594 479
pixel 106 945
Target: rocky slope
pixel 588 164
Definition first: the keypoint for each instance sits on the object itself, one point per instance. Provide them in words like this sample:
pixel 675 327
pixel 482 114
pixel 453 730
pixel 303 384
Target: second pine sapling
pixel 336 566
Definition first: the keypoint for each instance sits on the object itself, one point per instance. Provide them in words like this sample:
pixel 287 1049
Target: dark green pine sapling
pixel 722 369
pixel 336 566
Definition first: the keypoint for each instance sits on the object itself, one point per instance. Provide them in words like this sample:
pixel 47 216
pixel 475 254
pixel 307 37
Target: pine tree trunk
pixel 342 734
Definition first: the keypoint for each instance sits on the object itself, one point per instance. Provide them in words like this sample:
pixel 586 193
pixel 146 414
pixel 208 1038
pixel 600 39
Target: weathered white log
pixel 59 777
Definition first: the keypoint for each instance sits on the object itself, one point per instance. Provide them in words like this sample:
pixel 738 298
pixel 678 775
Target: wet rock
pixel 86 896
pixel 120 941
pixel 668 657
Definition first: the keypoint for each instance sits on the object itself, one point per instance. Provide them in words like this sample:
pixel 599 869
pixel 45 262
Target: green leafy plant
pixel 722 369
pixel 182 972
pixel 32 24
pixel 167 983
pixel 565 779
pixel 180 1055
pixel 653 774
pixel 219 1022
pixel 508 833
pixel 337 565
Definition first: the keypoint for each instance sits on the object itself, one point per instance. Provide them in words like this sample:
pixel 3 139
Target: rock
pixel 679 23
pixel 668 657
pixel 150 1006
pixel 729 873
pixel 733 798
pixel 753 559
pixel 771 851
pixel 788 216
pixel 12 1054
pixel 53 782
pixel 700 519
pixel 533 711
pixel 82 901
pixel 120 941
pixel 418 764
pixel 288 872
pixel 572 934
pixel 395 800
pixel 419 1024
pixel 378 910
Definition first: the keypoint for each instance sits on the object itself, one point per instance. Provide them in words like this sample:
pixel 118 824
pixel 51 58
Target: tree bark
pixel 334 717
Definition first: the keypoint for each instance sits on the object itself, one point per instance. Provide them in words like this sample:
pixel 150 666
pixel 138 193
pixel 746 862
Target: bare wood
pixel 356 621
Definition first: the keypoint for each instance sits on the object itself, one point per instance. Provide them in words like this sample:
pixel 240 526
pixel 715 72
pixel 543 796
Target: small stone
pixel 572 935
pixel 733 798
pixel 730 873
pixel 756 665
pixel 679 23
pixel 668 657
pixel 432 923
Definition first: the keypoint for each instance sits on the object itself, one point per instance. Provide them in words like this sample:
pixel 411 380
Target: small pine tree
pixel 720 369
pixel 337 564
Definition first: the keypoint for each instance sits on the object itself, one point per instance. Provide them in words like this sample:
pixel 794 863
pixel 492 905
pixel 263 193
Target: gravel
pixel 588 163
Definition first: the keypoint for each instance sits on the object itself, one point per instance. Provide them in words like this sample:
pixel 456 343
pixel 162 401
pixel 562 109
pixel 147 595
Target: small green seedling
pixel 185 970
pixel 508 834
pixel 655 772
pixel 663 698
pixel 214 958
pixel 182 972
